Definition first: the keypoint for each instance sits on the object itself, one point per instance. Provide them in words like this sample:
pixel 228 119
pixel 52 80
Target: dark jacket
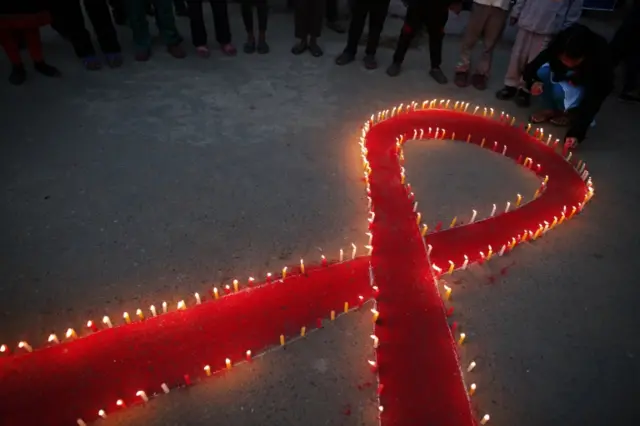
pixel 594 74
pixel 23 7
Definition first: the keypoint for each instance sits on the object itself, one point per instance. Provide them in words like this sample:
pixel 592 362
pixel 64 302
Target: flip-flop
pixel 545 117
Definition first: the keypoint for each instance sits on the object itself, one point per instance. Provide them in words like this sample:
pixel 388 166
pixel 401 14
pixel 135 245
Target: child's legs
pixel 519 58
pixel 166 22
pixel 137 17
pixel 10 45
pixel 34 44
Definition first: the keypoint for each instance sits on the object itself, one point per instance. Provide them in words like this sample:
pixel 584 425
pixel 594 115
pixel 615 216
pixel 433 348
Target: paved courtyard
pixel 123 188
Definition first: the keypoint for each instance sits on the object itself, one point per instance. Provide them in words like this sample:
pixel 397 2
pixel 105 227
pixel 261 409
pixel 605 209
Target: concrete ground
pixel 122 188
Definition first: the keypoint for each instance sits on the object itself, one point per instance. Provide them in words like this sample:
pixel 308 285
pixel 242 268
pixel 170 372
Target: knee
pixel 544 73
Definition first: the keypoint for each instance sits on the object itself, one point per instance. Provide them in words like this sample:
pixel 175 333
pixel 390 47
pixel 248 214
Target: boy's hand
pixel 536 89
pixel 513 20
pixel 569 145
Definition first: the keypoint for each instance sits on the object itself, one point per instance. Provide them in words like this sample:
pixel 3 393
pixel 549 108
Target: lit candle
pixel 491 112
pixel 446 105
pixel 126 317
pixel 198 300
pixel 493 211
pixel 473 216
pixel 236 285
pixel 380 408
pixel 107 321
pixel 81 422
pixel 332 315
pixel 504 247
pixel 53 338
pixel 341 255
pixel 24 345
pixel 303 331
pixel 120 403
pixel 369 249
pixel 102 414
pixel 424 230
pixel 452 266
pixel 447 292
pixel 453 222
pixel 508 205
pixel 71 333
pixel 142 396
pixel 302 266
pixel 471 367
pixel 323 260
pixel 466 262
pixel 153 310
pixel 482 142
pixel 165 307
pixel 376 291
pixel 373 365
pixel 476 110
pixel 353 251
pixel 182 305
pixel 165 388
pixel 360 301
pixel 140 314
pixel 536 194
pixel 513 121
pixel 437 269
pixel 282 342
pixel 472 389
pixel 91 326
pixel 248 355
pixel 216 294
pixel 461 339
pixel 485 419
pixel 284 273
pixel 346 307
pixel 453 136
pixel 268 277
pixel 376 341
pixel 504 150
pixel 415 206
pixel 489 253
pixel 484 112
pixel 227 362
pixel 418 217
pixel 429 248
pixel 376 314
pixel 528 127
pixel 518 200
pixel 469 138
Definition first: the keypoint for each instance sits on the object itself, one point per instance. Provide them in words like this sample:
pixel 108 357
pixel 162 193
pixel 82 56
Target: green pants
pixel 165 20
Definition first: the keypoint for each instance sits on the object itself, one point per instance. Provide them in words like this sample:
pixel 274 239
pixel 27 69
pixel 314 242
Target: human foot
pixel 543 116
pixel 176 51
pixel 315 49
pixel 479 81
pixel 522 98
pixel 370 62
pixel 345 58
pixel 300 47
pixel 263 47
pixel 203 52
pixel 506 93
pixel 229 49
pixel 438 76
pixel 461 78
pixel 394 69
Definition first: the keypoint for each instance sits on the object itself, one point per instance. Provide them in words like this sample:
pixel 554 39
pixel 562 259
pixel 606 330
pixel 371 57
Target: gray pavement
pixel 122 188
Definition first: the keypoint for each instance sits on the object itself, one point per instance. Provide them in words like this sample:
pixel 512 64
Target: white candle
pixel 165 388
pixel 353 251
pixel 53 338
pixel 473 216
pixel 376 341
pixel 471 367
pixel 369 249
pixel 504 247
pixel 142 396
pixel 466 262
pixel 429 248
pixel 485 419
pixel 102 414
pixel 508 205
pixel 198 300
pixel 493 211
pixel 153 310
pixel 164 307
pixel 341 255
pixel 107 321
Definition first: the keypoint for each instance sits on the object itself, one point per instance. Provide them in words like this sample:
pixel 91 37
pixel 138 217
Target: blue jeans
pixel 558 95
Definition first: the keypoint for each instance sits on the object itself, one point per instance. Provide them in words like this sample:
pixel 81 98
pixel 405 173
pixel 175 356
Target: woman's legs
pixel 222 27
pixel 263 13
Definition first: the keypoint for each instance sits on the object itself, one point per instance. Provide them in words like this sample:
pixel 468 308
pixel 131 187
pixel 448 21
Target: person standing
pixel 262 10
pixel 538 21
pixel 332 16
pixel 166 22
pixel 434 15
pixel 377 12
pixel 309 15
pixel 70 22
pixel 23 18
pixel 624 49
pixel 220 22
pixel 487 21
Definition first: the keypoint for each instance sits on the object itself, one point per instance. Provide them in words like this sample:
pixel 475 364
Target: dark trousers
pixel 432 15
pixel 220 22
pixel 331 10
pixel 624 48
pixel 69 22
pixel 246 7
pixel 165 20
pixel 308 18
pixel 377 11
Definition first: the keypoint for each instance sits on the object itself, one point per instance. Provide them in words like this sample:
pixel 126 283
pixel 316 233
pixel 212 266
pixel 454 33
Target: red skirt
pixel 24 21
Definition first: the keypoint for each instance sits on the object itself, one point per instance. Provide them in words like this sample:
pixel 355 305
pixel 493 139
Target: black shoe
pixel 263 47
pixel 336 26
pixel 522 99
pixel 46 69
pixel 629 97
pixel 114 60
pixel 394 69
pixel 370 62
pixel 249 47
pixel 18 75
pixel 345 58
pixel 506 93
pixel 315 50
pixel 438 76
pixel 300 47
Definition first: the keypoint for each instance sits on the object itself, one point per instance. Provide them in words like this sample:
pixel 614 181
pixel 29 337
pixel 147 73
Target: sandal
pixel 114 60
pixel 542 116
pixel 561 120
pixel 203 51
pixel 228 49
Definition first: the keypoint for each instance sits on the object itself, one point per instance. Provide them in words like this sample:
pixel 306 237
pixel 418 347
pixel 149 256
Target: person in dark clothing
pixel 180 6
pixel 166 22
pixel 118 12
pixel 332 16
pixel 262 9
pixel 69 21
pixel 220 22
pixel 573 76
pixel 433 14
pixel 377 12
pixel 23 19
pixel 308 26
pixel 624 49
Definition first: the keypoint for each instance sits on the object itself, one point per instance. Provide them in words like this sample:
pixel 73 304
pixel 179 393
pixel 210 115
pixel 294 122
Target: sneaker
pixel 345 58
pixel 315 50
pixel 336 26
pixel 263 47
pixel 91 63
pixel 370 62
pixel 438 76
pixel 300 47
pixel 479 81
pixel 143 55
pixel 46 69
pixel 114 60
pixel 629 97
pixel 461 78
pixel 249 47
pixel 176 51
pixel 506 93
pixel 522 98
pixel 18 75
pixel 394 69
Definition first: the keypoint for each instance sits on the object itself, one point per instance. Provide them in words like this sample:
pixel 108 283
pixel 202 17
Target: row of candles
pixel 216 293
